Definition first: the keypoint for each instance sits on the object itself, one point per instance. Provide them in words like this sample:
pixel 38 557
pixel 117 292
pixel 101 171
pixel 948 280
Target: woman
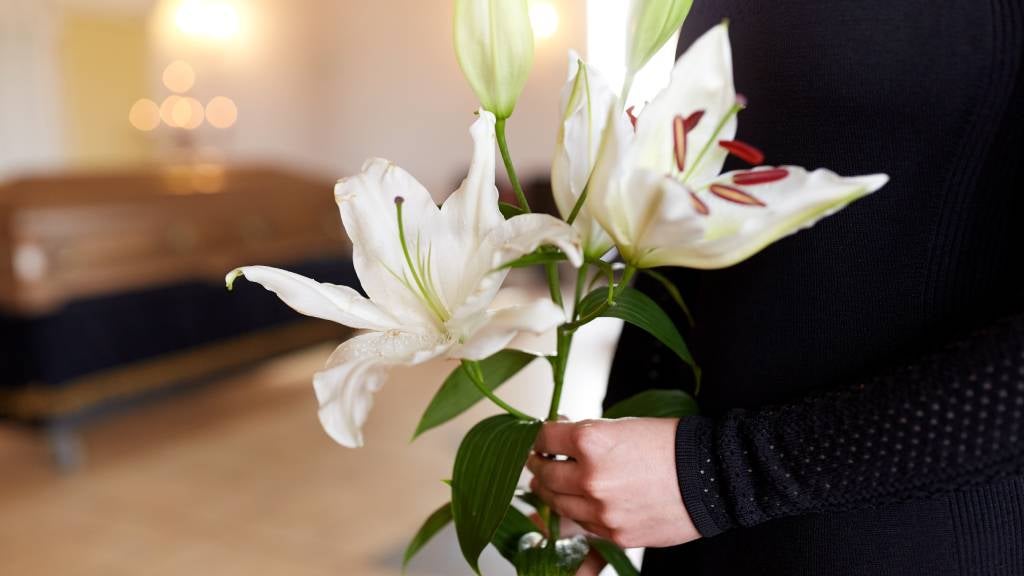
pixel 863 399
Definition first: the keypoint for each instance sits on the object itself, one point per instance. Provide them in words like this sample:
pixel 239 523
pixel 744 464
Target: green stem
pixel 476 375
pixel 499 127
pixel 627 275
pixel 558 367
pixel 581 280
pixel 554 284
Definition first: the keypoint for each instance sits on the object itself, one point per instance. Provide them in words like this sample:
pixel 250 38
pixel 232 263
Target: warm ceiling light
pixel 544 19
pixel 221 112
pixel 188 113
pixel 167 110
pixel 144 115
pixel 216 19
pixel 179 76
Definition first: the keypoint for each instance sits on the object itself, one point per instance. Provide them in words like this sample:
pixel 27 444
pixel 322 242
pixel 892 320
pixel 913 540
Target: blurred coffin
pixel 111 285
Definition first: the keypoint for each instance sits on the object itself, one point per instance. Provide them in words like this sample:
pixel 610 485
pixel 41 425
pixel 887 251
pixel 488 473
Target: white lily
pixel 430 274
pixel 659 193
pixel 586 103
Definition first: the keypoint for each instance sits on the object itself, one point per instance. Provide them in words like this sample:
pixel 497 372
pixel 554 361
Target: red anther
pixel 741 100
pixel 632 117
pixel 759 176
pixel 691 121
pixel 699 205
pixel 735 195
pixel 679 137
pixel 743 151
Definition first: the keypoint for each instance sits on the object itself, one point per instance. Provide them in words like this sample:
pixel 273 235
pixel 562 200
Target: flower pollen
pixel 734 195
pixel 632 116
pixel 755 177
pixel 692 120
pixel 679 141
pixel 743 151
pixel 699 205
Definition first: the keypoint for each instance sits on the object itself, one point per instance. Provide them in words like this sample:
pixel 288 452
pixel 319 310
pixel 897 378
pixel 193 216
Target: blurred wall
pixel 395 90
pixel 320 85
pixel 103 57
pixel 30 111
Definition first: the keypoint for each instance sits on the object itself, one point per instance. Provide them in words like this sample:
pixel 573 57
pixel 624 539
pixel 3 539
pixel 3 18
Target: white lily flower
pixel 586 103
pixel 430 274
pixel 657 190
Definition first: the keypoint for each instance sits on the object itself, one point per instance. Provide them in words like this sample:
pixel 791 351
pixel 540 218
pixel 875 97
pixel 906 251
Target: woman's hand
pixel 619 481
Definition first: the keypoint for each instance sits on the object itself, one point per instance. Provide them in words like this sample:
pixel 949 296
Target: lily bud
pixel 494 47
pixel 651 24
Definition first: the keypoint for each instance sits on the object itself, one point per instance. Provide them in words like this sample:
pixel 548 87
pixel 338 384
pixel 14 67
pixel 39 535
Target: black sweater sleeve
pixel 951 419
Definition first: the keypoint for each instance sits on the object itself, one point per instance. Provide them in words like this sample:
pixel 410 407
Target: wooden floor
pixel 238 478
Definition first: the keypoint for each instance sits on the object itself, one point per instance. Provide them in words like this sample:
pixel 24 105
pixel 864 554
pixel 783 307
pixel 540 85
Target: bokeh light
pixel 167 110
pixel 543 19
pixel 188 113
pixel 221 112
pixel 144 115
pixel 216 19
pixel 179 76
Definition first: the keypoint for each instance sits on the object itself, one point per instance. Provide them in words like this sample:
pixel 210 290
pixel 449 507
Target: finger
pixel 557 476
pixel 556 438
pixel 597 529
pixel 575 508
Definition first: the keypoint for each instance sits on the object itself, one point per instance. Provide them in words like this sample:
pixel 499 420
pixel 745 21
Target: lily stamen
pixel 699 205
pixel 714 137
pixel 692 120
pixel 734 195
pixel 632 117
pixel 679 131
pixel 743 151
pixel 426 292
pixel 756 177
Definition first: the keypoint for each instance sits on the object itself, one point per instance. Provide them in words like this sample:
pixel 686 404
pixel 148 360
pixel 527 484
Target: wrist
pixel 693 471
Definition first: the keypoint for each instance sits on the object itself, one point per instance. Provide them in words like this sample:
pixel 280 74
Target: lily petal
pixel 732 232
pixel 701 81
pixel 586 102
pixel 472 210
pixel 367 204
pixel 356 370
pixel 332 302
pixel 501 326
pixel 469 215
pixel 516 237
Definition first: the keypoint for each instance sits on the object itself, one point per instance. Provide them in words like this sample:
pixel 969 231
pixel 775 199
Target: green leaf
pixel 673 292
pixel 543 255
pixel 655 404
pixel 487 467
pixel 638 309
pixel 510 210
pixel 458 393
pixel 438 520
pixel 615 557
pixel 531 499
pixel 511 529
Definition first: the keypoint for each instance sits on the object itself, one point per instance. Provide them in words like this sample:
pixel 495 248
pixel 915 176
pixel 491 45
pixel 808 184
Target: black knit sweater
pixel 864 380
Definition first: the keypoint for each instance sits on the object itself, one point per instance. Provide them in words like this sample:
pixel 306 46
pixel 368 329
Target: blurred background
pixel 153 423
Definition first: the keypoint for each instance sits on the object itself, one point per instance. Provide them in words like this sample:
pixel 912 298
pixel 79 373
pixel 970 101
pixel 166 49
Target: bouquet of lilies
pixel 636 190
